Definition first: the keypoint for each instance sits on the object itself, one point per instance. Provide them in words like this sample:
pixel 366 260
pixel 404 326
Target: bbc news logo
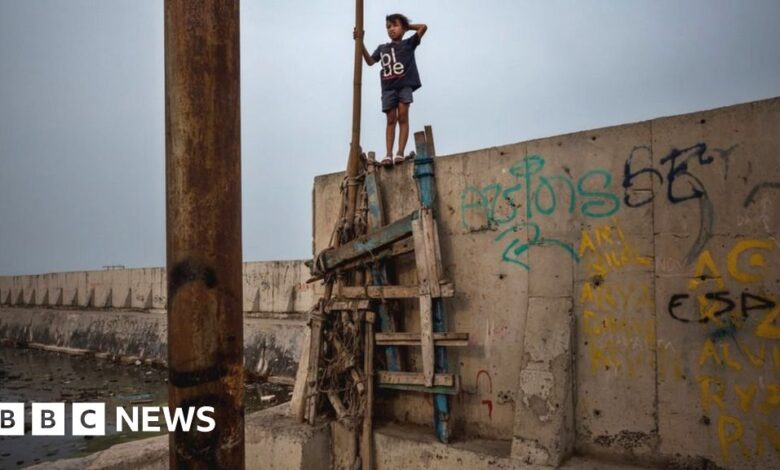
pixel 89 419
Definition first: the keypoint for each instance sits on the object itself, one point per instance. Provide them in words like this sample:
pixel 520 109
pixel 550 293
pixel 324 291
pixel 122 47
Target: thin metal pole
pixel 353 164
pixel 203 222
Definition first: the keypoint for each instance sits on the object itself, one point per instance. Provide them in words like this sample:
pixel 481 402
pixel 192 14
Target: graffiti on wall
pixel 517 208
pixel 739 355
pixel 730 364
pixel 681 180
pixel 619 332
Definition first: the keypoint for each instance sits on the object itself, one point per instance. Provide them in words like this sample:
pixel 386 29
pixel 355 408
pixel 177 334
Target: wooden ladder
pixel 417 232
pixel 432 288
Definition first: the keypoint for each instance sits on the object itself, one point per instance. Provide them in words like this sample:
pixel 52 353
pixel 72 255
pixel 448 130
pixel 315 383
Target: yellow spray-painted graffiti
pixel 609 250
pixel 617 321
pixel 713 304
pixel 714 396
pixel 707 268
pixel 739 359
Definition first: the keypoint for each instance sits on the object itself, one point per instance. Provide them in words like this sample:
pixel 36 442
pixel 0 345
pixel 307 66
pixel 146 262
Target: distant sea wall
pixel 121 312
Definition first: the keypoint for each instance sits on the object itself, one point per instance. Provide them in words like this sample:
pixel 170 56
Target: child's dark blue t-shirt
pixel 399 68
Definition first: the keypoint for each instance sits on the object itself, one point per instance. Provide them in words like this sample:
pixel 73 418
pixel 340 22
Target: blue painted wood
pixel 422 389
pixel 379 270
pixel 423 173
pixel 363 246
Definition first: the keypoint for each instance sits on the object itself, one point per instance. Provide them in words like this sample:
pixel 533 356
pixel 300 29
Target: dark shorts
pixel 391 98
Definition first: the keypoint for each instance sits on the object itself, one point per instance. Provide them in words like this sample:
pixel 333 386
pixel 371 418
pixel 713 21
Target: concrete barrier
pixel 271 346
pixel 657 242
pixel 121 312
pixel 269 286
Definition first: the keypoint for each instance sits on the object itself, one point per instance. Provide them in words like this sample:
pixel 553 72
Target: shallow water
pixel 28 375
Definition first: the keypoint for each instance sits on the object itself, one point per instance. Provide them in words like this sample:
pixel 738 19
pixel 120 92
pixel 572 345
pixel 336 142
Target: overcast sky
pixel 82 113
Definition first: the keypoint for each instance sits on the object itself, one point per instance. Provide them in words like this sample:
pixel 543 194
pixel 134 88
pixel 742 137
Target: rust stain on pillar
pixel 203 221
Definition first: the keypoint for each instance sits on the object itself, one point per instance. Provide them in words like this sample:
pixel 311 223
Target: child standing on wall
pixel 399 78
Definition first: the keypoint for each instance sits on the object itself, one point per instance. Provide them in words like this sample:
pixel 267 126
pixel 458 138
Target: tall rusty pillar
pixel 203 206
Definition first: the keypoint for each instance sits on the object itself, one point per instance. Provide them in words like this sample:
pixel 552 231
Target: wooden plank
pixel 420 256
pixel 335 402
pixel 385 377
pixel 363 246
pixel 390 292
pixel 396 249
pixel 337 304
pixel 366 442
pixel 454 390
pixel 297 402
pixel 375 208
pixel 413 339
pixel 402 247
pixel 282 379
pixel 437 250
pixel 429 145
pixel 431 251
pixel 426 339
pixel 423 171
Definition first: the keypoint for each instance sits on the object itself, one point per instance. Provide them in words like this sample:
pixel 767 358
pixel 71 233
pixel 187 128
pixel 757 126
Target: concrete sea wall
pixel 620 287
pixel 122 312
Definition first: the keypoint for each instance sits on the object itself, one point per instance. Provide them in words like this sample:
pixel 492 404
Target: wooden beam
pixel 389 292
pixel 426 338
pixel 413 339
pixel 385 377
pixel 397 248
pixel 363 246
pixel 367 439
pixel 350 305
pixel 430 245
pixel 429 145
pixel 454 390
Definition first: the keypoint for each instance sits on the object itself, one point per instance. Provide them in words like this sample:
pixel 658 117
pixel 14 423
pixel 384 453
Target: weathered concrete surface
pixel 409 447
pixel 271 346
pixel 544 418
pixel 666 231
pixel 273 442
pixel 276 442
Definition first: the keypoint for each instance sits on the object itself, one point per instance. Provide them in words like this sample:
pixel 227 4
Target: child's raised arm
pixel 369 60
pixel 419 28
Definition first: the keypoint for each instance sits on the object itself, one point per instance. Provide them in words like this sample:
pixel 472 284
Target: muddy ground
pixel 29 375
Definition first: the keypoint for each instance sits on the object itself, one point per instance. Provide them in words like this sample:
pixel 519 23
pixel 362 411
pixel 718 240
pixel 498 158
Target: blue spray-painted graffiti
pixel 516 247
pixel 538 194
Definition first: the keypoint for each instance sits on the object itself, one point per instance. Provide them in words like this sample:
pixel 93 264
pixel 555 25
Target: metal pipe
pixel 203 222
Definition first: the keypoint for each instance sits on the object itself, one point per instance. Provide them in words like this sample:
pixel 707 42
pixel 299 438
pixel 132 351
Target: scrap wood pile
pixel 336 376
pixel 340 376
